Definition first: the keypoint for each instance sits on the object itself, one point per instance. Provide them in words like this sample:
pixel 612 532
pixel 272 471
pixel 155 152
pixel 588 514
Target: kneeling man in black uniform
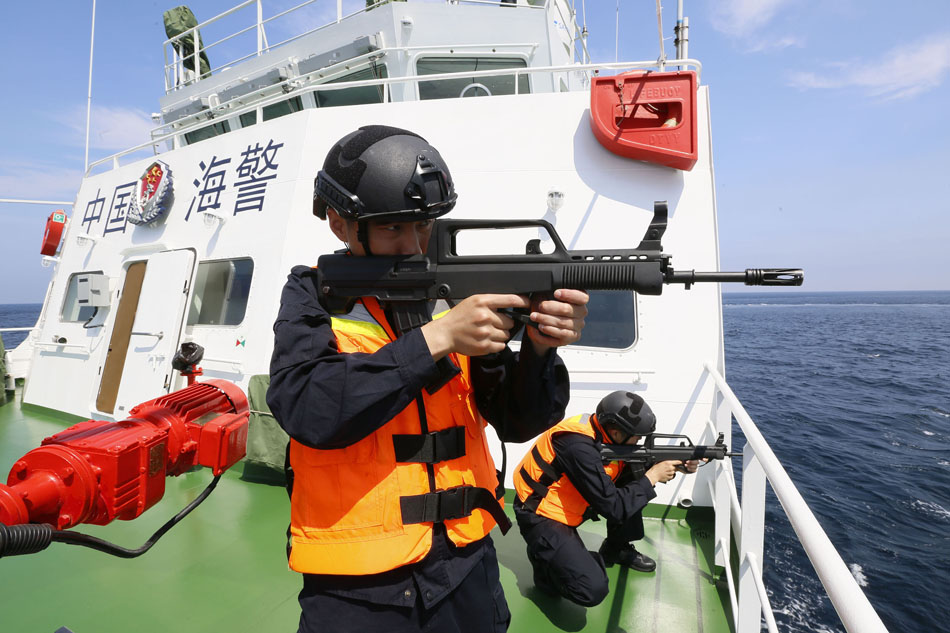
pixel 562 481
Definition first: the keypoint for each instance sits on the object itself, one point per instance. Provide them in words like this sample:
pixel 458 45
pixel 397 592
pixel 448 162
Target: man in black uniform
pixel 562 481
pixel 394 490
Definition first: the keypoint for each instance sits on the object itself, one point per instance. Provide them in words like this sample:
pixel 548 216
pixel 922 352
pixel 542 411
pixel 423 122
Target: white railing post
pixel 763 594
pixel 751 541
pixel 260 28
pixel 722 417
pixel 195 57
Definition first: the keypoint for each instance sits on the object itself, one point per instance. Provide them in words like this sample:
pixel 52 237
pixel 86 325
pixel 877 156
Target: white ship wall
pixel 505 154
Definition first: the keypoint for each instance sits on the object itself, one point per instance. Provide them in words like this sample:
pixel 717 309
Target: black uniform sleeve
pixel 577 456
pixel 521 394
pixel 326 399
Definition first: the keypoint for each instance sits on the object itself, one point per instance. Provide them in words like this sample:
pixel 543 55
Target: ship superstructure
pixel 189 237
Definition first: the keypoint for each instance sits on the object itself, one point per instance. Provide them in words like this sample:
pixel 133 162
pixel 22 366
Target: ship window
pixel 354 96
pixel 451 88
pixel 221 291
pixel 207 132
pixel 273 111
pixel 75 307
pixel 610 320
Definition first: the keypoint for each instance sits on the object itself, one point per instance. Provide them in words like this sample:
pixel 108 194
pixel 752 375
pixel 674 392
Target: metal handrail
pixel 63 346
pixel 853 607
pixel 174 68
pixel 345 66
pixel 383 81
pixel 43 202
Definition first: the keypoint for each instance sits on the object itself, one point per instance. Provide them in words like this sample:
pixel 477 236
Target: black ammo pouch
pixel 455 503
pixel 430 448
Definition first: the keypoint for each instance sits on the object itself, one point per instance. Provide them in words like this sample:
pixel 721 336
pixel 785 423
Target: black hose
pixel 24 539
pixel 35 537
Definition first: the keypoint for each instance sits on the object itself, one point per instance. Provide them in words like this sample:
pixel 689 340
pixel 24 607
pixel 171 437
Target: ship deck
pixel 224 566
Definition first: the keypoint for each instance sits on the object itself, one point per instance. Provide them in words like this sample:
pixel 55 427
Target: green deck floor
pixel 224 568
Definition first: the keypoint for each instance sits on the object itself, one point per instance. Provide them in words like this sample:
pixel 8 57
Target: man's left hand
pixel 690 466
pixel 560 319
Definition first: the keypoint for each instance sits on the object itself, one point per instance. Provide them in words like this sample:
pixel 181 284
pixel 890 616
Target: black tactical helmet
pixel 628 412
pixel 383 173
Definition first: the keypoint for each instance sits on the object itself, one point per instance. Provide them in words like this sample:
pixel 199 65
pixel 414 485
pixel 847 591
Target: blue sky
pixel 830 127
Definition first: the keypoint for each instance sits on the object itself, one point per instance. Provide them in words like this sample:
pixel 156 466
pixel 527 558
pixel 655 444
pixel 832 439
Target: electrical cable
pixel 34 537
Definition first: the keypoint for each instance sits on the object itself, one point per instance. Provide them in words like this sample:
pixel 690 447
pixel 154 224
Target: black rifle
pixel 648 453
pixel 442 273
pixel 406 283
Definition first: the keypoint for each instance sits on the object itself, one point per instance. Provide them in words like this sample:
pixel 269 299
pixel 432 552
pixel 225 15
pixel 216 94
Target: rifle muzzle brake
pixel 774 276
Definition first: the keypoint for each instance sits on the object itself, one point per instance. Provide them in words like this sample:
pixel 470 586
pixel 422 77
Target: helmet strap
pixel 362 234
pixel 601 431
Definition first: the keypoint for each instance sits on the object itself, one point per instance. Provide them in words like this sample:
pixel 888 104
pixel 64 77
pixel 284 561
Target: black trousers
pixel 561 560
pixel 477 605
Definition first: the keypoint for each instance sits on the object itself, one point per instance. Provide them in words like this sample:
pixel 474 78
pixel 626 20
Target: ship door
pixel 138 364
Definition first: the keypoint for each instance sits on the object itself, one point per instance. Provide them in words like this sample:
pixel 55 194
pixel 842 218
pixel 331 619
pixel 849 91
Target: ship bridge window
pixel 86 292
pixel 207 132
pixel 470 86
pixel 611 320
pixel 221 291
pixel 354 96
pixel 273 111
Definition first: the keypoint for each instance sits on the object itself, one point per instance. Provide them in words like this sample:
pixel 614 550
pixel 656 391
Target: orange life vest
pixel 540 486
pixel 364 509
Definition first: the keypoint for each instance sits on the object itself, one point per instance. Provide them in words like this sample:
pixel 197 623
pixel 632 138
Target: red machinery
pixel 96 471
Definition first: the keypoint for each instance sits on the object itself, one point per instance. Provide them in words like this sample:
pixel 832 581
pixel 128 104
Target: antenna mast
pixel 92 39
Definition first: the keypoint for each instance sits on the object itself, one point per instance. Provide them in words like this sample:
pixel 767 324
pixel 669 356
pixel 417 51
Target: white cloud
pixel 38 181
pixel 903 72
pixel 119 128
pixel 776 44
pixel 111 129
pixel 741 18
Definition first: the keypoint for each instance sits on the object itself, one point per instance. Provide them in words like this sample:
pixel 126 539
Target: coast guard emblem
pixel 152 194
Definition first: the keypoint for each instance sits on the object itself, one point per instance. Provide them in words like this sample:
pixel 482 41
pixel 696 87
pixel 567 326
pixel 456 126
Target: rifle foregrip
pixel 644 277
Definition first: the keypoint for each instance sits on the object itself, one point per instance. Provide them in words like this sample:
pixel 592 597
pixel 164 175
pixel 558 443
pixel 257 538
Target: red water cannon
pixel 97 471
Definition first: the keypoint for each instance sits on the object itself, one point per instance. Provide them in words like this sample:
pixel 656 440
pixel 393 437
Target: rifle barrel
pixel 750 277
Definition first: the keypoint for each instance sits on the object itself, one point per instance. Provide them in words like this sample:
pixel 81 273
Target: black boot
pixel 628 556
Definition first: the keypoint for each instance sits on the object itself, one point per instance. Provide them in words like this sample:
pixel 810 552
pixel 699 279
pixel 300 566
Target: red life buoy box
pixel 647 115
pixel 54 232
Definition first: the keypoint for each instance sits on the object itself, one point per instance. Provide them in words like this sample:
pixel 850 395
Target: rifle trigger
pixel 518 317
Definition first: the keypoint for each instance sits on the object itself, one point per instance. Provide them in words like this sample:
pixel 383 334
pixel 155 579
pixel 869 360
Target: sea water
pixel 852 392
pixel 17 315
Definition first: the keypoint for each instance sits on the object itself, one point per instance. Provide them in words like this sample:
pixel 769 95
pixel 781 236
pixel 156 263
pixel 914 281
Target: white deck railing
pixel 747 519
pixel 173 137
pixel 177 76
